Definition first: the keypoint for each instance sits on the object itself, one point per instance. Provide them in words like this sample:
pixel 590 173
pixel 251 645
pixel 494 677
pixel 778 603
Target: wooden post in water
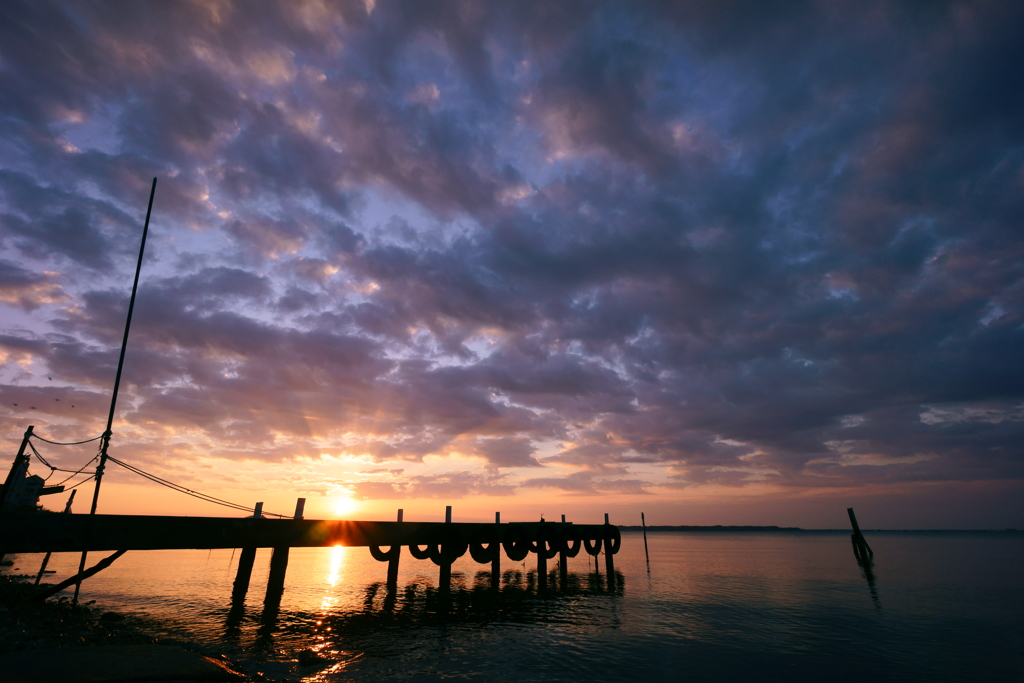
pixel 542 561
pixel 563 560
pixel 496 562
pixel 647 555
pixel 245 561
pixel 279 566
pixel 445 578
pixel 393 562
pixel 861 550
pixel 609 563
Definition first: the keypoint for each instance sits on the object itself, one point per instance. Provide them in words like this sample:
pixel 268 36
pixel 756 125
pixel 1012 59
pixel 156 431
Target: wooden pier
pixel 440 542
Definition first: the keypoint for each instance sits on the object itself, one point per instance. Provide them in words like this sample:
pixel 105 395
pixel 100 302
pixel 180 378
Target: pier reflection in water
pixel 386 615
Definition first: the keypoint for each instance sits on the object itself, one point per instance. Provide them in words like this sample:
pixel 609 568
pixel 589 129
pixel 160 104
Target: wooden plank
pixel 45 532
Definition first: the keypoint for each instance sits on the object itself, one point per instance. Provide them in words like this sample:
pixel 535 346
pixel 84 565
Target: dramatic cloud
pixel 597 249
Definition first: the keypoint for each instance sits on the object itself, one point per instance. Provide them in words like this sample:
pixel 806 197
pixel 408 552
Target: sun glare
pixel 344 506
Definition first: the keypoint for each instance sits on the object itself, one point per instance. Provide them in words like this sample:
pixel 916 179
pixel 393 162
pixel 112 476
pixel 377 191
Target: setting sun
pixel 344 506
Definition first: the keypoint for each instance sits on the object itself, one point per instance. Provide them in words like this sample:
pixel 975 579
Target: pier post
pixel 393 562
pixel 279 567
pixel 445 578
pixel 609 563
pixel 496 562
pixel 542 562
pixel 563 560
pixel 245 561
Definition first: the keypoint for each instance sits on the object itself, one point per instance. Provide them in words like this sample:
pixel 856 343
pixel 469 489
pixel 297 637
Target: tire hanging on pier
pixel 446 546
pixel 485 533
pixel 516 542
pixel 594 549
pixel 548 541
pixel 571 533
pixel 382 556
pixel 613 540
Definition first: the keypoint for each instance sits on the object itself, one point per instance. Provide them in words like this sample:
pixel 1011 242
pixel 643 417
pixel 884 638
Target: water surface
pixel 714 606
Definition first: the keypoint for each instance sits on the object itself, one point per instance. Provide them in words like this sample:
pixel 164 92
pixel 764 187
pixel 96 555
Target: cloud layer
pixel 589 248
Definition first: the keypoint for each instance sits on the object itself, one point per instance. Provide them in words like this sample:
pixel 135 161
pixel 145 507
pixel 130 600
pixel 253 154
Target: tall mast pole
pixel 105 439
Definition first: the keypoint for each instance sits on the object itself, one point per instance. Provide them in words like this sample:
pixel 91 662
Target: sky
pixel 718 262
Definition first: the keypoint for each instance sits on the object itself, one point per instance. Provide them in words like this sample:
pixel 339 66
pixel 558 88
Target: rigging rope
pixel 70 443
pixel 75 474
pixel 58 469
pixel 181 489
pixel 131 468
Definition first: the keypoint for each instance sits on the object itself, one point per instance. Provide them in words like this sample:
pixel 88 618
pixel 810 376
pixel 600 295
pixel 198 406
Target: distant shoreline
pixel 799 530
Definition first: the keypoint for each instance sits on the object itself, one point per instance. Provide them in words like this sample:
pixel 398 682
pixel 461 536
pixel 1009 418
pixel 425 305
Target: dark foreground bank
pixel 53 642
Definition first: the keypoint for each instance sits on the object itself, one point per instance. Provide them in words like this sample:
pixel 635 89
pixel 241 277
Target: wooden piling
pixel 542 563
pixel 393 562
pixel 279 566
pixel 496 562
pixel 245 561
pixel 445 576
pixel 609 563
pixel 563 560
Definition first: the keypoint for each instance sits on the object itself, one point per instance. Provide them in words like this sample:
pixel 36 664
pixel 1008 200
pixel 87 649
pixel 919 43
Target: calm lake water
pixel 714 607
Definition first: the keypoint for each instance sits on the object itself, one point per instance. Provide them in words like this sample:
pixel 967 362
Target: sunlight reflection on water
pixel 713 607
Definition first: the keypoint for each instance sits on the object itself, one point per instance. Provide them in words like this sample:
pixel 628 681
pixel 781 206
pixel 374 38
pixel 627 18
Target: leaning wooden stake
pixel 646 554
pixel 861 549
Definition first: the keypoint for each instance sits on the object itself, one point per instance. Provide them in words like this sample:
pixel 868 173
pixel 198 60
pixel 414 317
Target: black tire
pixel 612 540
pixel 484 533
pixel 447 545
pixel 425 554
pixel 548 536
pixel 571 534
pixel 516 542
pixel 382 556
